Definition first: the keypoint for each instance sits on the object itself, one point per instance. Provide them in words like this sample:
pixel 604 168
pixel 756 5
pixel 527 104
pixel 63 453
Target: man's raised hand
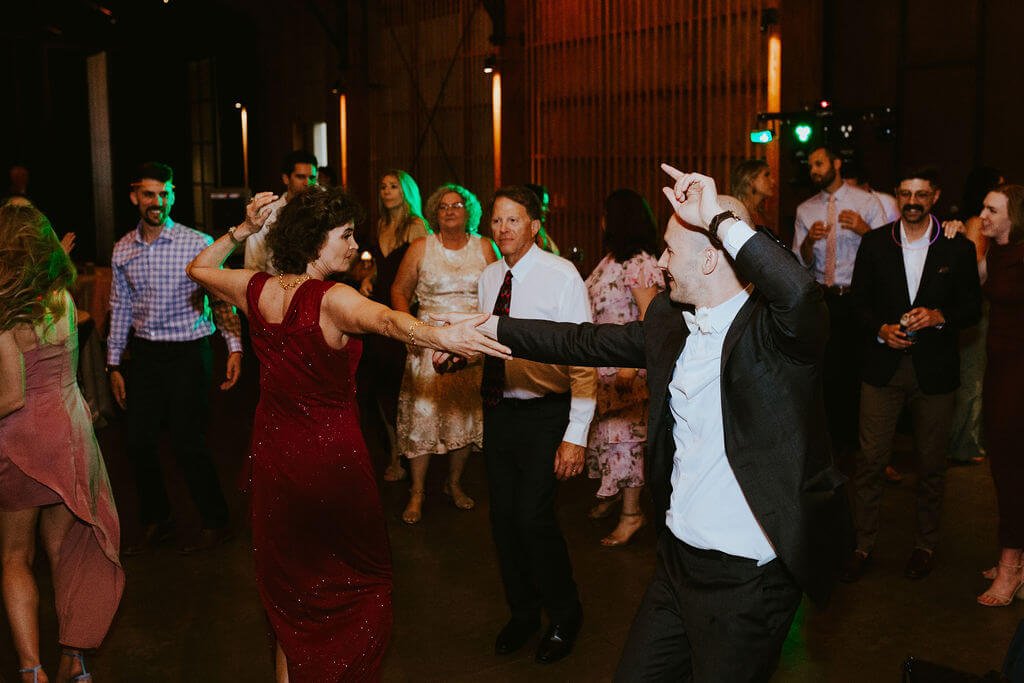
pixel 694 197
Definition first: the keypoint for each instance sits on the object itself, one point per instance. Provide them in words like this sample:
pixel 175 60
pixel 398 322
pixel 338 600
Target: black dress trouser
pixel 520 440
pixel 709 617
pixel 169 383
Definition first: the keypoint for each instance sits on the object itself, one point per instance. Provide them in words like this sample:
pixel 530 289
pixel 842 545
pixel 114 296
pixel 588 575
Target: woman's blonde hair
pixel 34 269
pixel 412 206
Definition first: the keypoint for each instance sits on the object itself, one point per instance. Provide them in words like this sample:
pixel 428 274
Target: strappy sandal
pixel 610 542
pixel 34 670
pixel 991 599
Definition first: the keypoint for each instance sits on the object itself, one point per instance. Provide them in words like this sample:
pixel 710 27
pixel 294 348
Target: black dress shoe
pixel 514 636
pixel 920 564
pixel 558 640
pixel 154 534
pixel 855 566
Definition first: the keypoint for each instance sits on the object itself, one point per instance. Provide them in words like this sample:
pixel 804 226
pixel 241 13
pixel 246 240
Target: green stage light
pixel 761 137
pixel 803 132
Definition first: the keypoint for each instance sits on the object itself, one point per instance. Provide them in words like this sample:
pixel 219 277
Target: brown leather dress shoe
pixel 920 564
pixel 855 566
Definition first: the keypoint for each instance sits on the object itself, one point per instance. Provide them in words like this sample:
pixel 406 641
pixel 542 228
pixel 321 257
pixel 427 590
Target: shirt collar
pixel 717 319
pixel 523 265
pixel 825 194
pixel 167 233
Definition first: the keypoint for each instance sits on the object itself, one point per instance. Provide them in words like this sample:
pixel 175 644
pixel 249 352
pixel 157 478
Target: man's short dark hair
pixel 298 156
pixel 302 226
pixel 830 152
pixel 522 195
pixel 929 173
pixel 153 170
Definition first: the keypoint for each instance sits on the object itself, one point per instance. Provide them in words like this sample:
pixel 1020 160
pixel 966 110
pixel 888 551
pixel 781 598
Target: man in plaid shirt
pixel 169 375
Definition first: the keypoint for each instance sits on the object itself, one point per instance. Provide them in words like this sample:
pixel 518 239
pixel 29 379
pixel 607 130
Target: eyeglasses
pixel 456 205
pixel 920 195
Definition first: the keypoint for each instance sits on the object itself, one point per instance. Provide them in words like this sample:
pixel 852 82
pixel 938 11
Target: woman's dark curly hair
pixel 302 226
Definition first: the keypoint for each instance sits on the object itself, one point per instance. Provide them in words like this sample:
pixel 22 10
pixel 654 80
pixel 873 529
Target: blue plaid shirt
pixel 151 293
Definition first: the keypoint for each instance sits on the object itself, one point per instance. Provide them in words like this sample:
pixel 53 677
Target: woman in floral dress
pixel 620 288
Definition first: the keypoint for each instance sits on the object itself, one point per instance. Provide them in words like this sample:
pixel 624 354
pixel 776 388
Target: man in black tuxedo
pixel 913 291
pixel 748 504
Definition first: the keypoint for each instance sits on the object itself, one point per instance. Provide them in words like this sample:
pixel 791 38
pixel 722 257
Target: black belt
pixel 837 290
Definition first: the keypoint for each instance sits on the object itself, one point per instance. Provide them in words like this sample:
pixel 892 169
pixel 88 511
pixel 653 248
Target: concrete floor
pixel 199 619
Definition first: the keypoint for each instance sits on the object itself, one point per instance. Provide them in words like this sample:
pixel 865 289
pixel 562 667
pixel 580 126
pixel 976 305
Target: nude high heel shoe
pixel 992 599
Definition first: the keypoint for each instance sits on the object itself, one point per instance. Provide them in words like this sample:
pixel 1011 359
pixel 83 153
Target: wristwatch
pixel 717 220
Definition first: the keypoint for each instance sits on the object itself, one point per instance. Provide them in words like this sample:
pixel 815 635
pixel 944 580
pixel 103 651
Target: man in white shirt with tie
pixel 536 421
pixel 827 234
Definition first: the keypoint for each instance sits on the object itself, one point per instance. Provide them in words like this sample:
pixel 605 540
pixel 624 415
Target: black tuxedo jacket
pixel 774 422
pixel 879 294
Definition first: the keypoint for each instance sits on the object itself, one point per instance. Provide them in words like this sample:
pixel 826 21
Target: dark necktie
pixel 492 387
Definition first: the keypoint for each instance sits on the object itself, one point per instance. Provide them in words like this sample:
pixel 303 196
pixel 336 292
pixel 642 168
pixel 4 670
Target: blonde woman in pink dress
pixel 620 288
pixel 52 476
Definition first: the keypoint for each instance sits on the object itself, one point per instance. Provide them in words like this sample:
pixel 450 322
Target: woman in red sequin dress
pixel 323 564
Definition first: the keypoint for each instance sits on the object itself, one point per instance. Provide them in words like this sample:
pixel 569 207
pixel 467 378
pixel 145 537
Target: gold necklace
pixel 294 283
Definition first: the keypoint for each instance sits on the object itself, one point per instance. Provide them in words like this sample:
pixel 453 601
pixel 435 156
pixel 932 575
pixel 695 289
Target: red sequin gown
pixel 323 563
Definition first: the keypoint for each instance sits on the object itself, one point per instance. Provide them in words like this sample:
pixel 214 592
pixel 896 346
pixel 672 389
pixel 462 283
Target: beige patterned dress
pixel 442 413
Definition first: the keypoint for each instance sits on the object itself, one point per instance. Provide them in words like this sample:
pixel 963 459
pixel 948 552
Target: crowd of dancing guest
pixel 400 222
pixel 323 564
pixel 441 414
pixel 620 289
pixel 54 478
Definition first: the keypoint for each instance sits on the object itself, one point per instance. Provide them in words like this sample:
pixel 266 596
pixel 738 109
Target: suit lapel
pixel 739 323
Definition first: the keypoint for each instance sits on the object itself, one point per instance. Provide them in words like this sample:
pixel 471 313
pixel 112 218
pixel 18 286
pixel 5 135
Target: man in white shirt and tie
pixel 536 421
pixel 827 234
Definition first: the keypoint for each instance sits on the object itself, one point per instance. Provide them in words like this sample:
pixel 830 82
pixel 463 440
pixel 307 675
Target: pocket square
pixel 943 270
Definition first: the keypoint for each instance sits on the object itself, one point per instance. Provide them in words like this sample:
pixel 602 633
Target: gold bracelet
pixel 412 331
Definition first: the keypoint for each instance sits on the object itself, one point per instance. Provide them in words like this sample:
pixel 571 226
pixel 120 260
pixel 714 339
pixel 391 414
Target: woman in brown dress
pixel 1002 221
pixel 52 476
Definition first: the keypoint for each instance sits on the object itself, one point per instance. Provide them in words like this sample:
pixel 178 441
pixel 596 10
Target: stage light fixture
pixel 803 132
pixel 761 137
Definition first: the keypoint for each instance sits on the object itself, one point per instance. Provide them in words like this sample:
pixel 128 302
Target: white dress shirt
pixel 914 255
pixel 707 508
pixel 545 287
pixel 847 241
pixel 257 255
